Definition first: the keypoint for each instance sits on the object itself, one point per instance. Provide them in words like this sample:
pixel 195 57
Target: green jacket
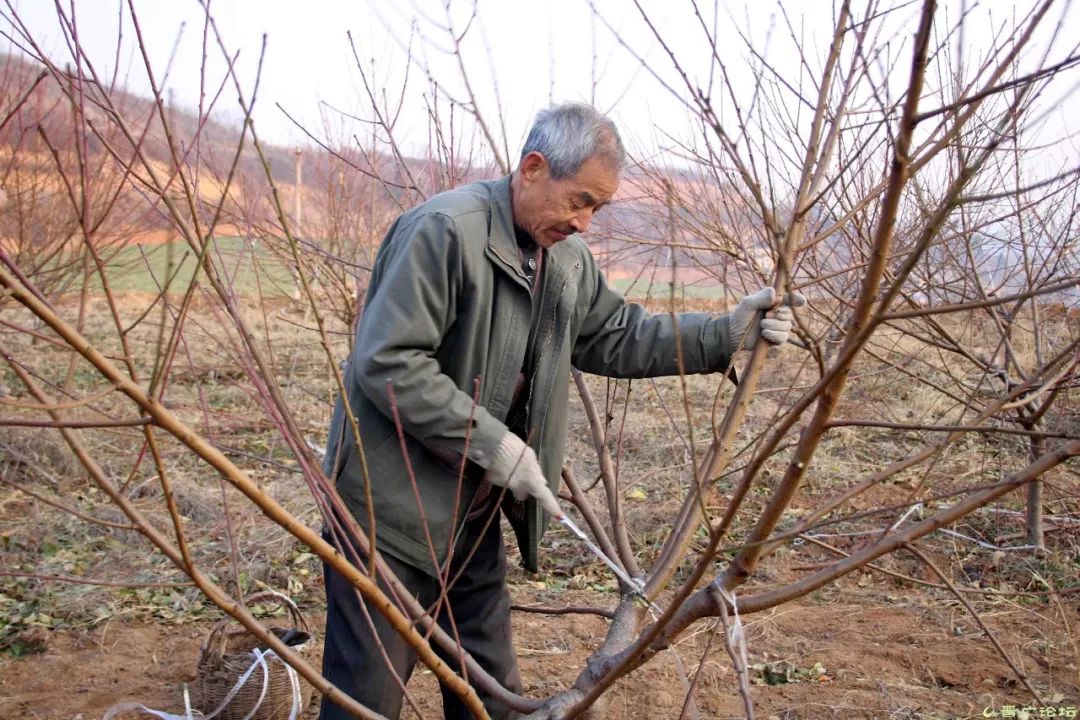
pixel 448 307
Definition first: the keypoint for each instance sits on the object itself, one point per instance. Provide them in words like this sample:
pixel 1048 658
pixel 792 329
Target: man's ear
pixel 533 166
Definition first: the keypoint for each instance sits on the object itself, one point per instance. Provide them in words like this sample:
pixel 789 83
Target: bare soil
pixel 881 656
pixel 867 646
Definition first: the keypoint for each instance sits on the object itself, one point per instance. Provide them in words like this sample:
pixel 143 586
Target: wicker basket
pixel 230 652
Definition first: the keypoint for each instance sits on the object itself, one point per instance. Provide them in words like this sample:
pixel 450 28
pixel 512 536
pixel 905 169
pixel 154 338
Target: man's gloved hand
pixel 516 468
pixel 751 318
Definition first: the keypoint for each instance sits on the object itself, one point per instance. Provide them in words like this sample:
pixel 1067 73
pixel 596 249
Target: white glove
pixel 515 467
pixel 749 320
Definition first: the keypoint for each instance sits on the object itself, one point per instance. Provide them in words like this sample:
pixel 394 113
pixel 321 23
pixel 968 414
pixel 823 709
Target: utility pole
pixel 297 215
pixel 298 219
pixel 669 236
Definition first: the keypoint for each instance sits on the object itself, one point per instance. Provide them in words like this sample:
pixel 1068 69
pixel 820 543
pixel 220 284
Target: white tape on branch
pixel 737 634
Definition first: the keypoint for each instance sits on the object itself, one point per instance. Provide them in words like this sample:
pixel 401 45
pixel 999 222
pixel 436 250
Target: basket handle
pixel 214 646
pixel 283 599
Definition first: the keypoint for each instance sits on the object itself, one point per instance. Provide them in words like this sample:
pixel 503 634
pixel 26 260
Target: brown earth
pixel 863 647
pixel 880 655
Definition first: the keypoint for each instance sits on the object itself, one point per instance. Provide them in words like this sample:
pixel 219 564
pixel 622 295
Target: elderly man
pixel 480 301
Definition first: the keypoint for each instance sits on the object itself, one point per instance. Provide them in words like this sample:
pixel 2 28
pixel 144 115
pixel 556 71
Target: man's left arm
pixel 622 339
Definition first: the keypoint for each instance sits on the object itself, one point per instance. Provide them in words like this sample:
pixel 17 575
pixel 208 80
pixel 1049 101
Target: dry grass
pixel 210 393
pixel 209 390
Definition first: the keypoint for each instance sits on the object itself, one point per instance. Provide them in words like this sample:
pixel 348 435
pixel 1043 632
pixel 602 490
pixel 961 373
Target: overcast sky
pixel 532 51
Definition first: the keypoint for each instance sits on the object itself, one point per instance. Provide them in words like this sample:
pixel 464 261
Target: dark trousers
pixel 480 604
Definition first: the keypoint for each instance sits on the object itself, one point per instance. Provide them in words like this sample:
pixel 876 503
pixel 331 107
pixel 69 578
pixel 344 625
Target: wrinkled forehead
pixel 597 178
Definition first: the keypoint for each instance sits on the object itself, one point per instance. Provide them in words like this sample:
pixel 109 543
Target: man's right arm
pixel 419 274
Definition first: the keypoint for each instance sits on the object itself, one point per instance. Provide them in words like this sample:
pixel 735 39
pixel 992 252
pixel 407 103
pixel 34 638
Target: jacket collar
pixel 501 243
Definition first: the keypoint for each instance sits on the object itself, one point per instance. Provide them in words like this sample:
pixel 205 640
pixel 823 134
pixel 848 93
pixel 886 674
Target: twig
pixel 688 701
pixel 735 644
pixel 978 619
pixel 64 508
pixel 588 513
pixel 987 545
pixel 1056 596
pixel 90 581
pixel 270 507
pixel 924 583
pixel 568 610
pixel 607 470
pixel 914 427
pixel 75 424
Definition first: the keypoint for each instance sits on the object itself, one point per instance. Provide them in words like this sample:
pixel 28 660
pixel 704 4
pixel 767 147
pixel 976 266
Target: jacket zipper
pixel 547 341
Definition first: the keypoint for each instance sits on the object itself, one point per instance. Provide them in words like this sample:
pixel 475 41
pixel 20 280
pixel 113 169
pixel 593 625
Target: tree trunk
pixel 1034 496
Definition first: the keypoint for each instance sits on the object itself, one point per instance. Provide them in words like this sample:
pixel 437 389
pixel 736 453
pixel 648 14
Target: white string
pixel 294 680
pixel 187 702
pixel 736 634
pixel 260 659
pixel 917 507
pixel 125 706
pixel 986 545
pixel 265 684
pixel 239 684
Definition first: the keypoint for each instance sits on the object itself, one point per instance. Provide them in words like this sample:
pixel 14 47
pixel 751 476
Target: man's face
pixel 551 210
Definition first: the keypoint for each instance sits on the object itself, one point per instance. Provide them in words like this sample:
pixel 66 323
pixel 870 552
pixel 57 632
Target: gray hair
pixel 569 134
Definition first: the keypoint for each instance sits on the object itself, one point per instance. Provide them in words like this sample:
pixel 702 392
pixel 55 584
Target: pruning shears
pixel 637 587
